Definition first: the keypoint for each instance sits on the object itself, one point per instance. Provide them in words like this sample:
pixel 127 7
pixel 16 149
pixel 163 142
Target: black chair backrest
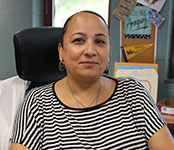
pixel 36 54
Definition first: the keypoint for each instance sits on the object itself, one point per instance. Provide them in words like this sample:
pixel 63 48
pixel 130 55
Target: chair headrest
pixel 36 54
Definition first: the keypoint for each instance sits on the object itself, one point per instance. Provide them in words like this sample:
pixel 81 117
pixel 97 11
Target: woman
pixel 86 110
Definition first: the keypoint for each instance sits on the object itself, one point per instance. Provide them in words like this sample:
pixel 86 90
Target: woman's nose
pixel 90 49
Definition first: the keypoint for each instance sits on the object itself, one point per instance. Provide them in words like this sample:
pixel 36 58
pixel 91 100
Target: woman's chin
pixel 90 75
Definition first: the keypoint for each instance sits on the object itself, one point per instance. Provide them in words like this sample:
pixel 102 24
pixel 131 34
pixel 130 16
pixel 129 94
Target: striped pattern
pixel 125 121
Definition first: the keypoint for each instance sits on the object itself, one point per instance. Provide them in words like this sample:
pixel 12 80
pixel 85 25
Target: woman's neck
pixel 84 84
pixel 84 93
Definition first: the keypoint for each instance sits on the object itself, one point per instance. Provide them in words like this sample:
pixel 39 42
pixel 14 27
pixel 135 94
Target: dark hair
pixel 67 21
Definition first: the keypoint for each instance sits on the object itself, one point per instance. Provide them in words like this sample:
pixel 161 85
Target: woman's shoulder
pixel 134 89
pixel 36 93
pixel 130 80
pixel 125 80
pixel 128 86
pixel 41 89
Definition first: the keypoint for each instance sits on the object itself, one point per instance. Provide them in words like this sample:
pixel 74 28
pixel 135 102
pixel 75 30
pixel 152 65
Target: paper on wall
pixel 147 76
pixel 155 18
pixel 154 4
pixel 137 26
pixel 124 9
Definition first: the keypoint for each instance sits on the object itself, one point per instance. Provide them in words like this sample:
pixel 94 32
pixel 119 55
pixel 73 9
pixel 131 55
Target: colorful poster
pixel 154 4
pixel 137 25
pixel 124 9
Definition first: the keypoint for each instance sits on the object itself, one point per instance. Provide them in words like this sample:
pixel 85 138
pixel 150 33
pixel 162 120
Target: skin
pixel 16 146
pixel 86 48
pixel 161 140
pixel 85 53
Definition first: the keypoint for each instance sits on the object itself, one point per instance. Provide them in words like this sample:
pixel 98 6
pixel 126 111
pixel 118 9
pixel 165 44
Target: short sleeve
pixel 26 127
pixel 153 118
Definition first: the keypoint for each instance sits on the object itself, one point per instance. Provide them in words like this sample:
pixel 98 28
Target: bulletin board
pixel 138 31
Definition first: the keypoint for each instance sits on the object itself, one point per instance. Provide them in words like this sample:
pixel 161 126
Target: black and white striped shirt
pixel 123 122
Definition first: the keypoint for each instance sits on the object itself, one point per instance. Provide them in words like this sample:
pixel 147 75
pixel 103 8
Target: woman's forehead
pixel 86 21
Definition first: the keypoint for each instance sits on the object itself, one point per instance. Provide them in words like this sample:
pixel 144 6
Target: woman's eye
pixel 100 42
pixel 78 40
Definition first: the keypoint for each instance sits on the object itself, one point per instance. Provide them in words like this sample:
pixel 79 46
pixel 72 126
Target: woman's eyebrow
pixel 101 34
pixel 79 33
pixel 83 34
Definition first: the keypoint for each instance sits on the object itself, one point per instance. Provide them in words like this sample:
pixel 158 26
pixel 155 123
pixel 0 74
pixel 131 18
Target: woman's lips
pixel 89 63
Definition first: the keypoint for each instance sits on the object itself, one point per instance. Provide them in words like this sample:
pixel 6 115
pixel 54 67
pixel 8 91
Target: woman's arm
pixel 16 146
pixel 161 140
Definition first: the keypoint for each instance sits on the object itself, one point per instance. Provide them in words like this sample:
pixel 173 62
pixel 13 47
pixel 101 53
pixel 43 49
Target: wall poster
pixel 137 25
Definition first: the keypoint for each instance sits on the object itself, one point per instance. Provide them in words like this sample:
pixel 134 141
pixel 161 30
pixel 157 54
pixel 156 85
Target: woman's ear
pixel 60 48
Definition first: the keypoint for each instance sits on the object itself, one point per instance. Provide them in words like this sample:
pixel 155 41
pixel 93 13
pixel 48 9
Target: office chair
pixel 36 55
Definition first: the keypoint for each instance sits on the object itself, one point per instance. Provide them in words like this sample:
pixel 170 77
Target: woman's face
pixel 85 50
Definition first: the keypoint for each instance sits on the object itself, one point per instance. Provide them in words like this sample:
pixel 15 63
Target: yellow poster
pixel 131 51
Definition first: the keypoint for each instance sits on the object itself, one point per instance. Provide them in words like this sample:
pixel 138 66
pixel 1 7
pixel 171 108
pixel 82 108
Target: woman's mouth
pixel 89 63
